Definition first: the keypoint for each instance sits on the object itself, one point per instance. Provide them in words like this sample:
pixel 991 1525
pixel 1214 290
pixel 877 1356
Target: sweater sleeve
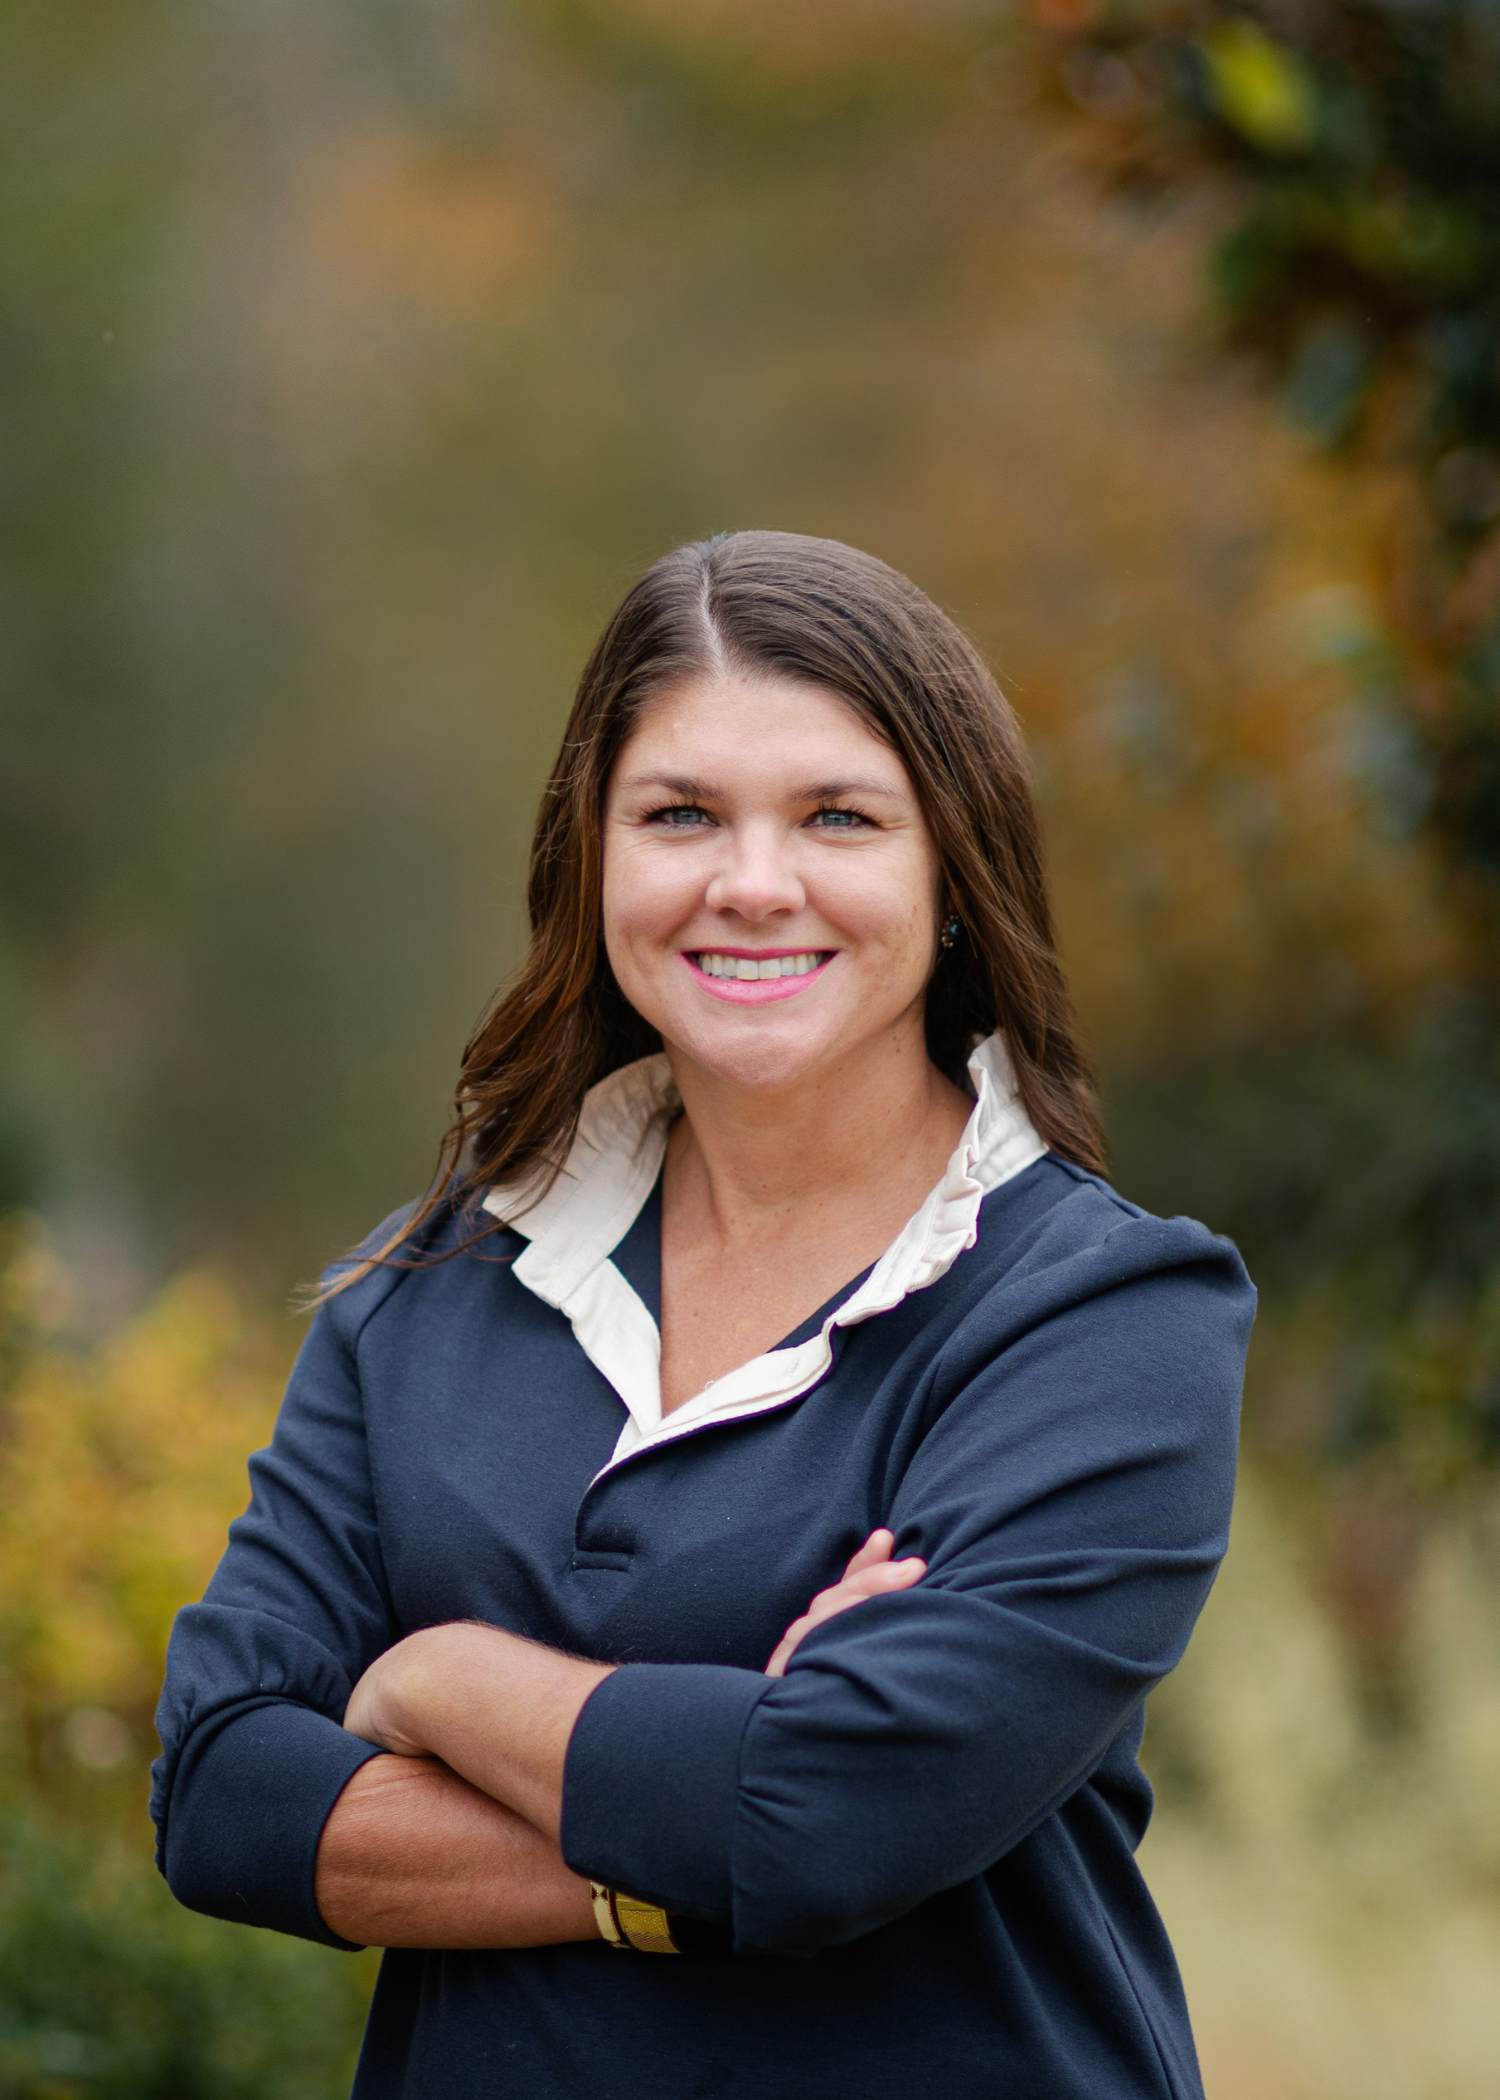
pixel 1071 1495
pixel 259 1673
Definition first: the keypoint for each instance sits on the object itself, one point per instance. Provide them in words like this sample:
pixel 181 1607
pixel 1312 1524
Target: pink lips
pixel 754 991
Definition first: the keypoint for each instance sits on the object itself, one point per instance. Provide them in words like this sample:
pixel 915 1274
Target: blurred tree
pixel 1349 151
pixel 439 323
pixel 1357 146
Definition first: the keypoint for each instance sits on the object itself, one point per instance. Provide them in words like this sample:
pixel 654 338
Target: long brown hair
pixel 777 604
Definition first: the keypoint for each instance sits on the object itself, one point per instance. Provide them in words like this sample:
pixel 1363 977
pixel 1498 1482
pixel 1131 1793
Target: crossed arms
pixel 1069 1490
pixel 452 1840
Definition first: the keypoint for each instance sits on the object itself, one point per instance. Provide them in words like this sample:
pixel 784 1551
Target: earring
pixel 950 933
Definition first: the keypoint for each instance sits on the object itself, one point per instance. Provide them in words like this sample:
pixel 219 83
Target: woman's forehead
pixel 764 721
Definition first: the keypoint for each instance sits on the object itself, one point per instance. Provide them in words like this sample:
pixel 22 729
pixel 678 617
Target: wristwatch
pixel 627 1922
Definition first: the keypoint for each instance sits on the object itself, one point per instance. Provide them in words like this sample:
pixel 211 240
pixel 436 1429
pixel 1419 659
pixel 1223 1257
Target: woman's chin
pixel 760 1051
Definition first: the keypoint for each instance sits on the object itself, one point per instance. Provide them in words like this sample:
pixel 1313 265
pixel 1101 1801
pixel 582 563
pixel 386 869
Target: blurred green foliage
pixel 1366 134
pixel 1352 150
pixel 110 1991
pixel 1362 1179
pixel 1362 259
pixel 119 1471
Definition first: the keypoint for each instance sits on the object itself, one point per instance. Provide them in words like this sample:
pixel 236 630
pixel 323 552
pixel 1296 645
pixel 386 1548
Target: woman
pixel 770 1261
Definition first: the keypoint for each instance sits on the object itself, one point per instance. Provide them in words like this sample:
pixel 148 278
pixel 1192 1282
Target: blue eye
pixel 840 819
pixel 680 816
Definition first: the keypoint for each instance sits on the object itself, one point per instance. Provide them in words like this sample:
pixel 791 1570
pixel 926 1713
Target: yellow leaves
pixel 119 1470
pixel 1260 88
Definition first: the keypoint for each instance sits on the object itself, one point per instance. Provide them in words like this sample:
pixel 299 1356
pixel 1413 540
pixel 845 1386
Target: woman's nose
pixel 756 877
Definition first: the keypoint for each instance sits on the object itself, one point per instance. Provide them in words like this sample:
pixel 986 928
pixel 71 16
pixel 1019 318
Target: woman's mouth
pixel 749 978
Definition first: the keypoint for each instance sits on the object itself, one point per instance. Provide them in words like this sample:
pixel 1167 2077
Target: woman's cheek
pixel 633 974
pixel 643 908
pixel 890 919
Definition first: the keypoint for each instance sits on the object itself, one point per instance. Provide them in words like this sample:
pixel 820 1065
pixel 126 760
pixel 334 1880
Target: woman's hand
pixel 386 1706
pixel 497 1709
pixel 871 1573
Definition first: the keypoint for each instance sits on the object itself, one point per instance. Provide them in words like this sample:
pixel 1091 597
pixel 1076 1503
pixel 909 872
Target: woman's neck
pixel 750 1155
pixel 772 1202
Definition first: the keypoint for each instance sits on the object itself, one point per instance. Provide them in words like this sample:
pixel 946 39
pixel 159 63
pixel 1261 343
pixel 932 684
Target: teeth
pixel 747 967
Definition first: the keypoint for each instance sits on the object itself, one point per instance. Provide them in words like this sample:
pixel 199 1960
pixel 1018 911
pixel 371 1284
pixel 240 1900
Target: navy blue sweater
pixel 919 1842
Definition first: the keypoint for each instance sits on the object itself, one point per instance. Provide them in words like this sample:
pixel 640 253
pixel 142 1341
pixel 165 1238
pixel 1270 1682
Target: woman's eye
pixel 840 820
pixel 680 816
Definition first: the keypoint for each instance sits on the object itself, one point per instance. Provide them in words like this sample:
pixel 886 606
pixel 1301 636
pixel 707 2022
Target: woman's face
pixel 770 886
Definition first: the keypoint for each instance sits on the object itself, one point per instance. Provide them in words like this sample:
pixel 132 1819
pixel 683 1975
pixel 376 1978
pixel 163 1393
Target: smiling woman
pixel 764 849
pixel 769 1261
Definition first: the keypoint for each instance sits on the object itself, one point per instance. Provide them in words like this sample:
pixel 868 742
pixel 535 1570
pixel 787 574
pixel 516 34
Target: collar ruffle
pixel 611 1170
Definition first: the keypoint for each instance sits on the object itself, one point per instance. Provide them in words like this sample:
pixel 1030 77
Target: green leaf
pixel 1259 88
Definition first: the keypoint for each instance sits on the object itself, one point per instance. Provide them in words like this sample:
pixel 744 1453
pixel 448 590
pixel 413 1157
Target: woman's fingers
pixel 870 1582
pixel 879 1546
pixel 786 1648
pixel 871 1573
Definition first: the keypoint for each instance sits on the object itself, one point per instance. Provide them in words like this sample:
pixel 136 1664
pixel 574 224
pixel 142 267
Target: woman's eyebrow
pixel 830 790
pixel 703 791
pixel 674 783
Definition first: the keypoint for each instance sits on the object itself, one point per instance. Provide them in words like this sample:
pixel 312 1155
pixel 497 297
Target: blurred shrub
pixel 110 1991
pixel 1365 136
pixel 1359 1172
pixel 120 1467
pixel 1327 1846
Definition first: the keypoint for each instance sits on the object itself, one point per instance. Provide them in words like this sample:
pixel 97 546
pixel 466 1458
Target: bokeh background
pixel 353 358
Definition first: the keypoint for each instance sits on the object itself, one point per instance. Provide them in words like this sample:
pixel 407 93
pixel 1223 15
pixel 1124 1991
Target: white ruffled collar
pixel 612 1169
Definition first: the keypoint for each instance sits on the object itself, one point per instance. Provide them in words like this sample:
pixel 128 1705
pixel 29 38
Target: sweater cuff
pixel 248 1805
pixel 651 1782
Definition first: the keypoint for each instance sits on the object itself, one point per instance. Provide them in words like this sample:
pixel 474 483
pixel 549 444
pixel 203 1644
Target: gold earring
pixel 950 933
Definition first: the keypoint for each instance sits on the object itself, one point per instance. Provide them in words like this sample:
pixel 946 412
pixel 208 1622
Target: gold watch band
pixel 645 1925
pixel 624 1921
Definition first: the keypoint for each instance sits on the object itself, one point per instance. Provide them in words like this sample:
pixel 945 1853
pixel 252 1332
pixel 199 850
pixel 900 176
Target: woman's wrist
pixel 413 1856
